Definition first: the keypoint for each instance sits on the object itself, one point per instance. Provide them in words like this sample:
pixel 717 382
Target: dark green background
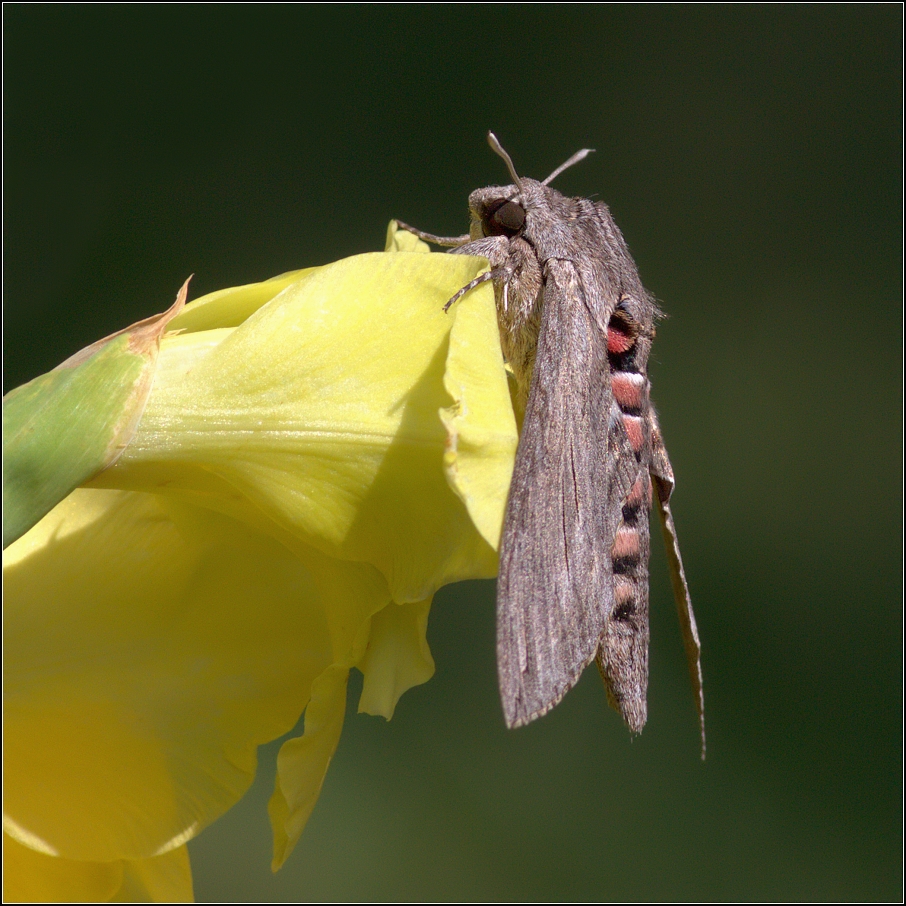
pixel 752 157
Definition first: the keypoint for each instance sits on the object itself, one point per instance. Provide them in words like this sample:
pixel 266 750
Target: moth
pixel 576 326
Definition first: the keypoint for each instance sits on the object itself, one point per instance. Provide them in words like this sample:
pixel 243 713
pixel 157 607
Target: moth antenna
pixel 579 155
pixel 498 148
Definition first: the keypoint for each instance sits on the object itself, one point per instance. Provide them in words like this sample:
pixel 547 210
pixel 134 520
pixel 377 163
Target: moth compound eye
pixel 507 219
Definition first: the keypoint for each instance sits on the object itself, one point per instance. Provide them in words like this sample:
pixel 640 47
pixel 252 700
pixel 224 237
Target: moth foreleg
pixel 481 278
pixel 446 241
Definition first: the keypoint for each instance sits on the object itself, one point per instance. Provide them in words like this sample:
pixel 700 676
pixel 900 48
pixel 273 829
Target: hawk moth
pixel 576 327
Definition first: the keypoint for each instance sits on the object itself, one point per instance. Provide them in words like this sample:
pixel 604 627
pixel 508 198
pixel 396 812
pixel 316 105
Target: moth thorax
pixel 519 310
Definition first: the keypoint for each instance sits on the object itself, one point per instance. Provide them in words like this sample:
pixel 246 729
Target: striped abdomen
pixel 623 655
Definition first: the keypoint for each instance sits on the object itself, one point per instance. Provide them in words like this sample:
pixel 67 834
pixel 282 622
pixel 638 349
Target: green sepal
pixel 66 426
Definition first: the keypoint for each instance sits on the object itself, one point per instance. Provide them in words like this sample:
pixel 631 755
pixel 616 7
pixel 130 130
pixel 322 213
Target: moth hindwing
pixel 576 327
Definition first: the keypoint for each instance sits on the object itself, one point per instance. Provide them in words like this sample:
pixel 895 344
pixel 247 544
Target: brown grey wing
pixel 574 467
pixel 662 473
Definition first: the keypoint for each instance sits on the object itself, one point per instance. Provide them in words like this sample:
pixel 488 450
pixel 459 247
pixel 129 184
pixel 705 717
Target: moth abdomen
pixel 638 498
pixel 622 331
pixel 626 548
pixel 623 654
pixel 633 407
pixel 630 390
pixel 624 596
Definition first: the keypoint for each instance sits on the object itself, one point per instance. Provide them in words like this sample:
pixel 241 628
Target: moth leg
pixel 481 278
pixel 494 248
pixel 497 249
pixel 447 241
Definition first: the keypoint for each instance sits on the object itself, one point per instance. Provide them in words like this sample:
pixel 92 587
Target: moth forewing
pixel 662 475
pixel 576 326
pixel 555 590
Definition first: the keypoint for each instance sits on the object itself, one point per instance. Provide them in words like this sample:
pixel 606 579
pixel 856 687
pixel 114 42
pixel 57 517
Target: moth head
pixel 498 211
pixel 501 211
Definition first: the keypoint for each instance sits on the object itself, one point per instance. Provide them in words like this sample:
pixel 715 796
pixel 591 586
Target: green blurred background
pixel 752 157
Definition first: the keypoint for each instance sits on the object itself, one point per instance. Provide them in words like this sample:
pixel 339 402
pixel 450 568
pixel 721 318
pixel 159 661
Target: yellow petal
pixel 319 467
pixel 302 762
pixel 150 646
pixel 166 878
pixel 33 877
pixel 397 657
pixel 321 411
pixel 481 429
pixel 230 307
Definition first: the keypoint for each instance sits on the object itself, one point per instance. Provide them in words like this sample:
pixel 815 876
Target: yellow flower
pixel 317 455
